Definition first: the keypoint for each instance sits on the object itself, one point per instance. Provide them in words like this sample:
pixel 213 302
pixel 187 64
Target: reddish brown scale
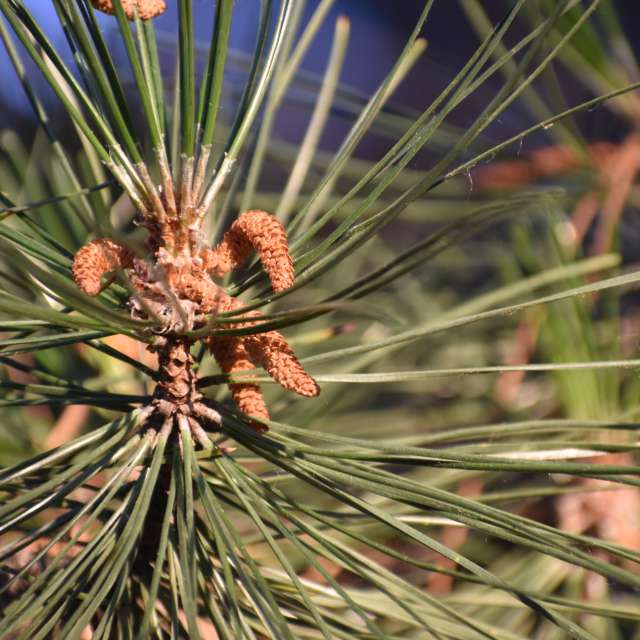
pixel 177 379
pixel 96 259
pixel 162 235
pixel 147 9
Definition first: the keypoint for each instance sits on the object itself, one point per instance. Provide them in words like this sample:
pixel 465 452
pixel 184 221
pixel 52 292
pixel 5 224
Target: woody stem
pixel 178 381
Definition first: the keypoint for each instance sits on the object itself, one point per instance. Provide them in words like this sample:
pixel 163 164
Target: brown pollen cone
pixel 232 357
pixel 274 354
pixel 97 258
pixel 258 231
pixel 269 350
pixel 147 9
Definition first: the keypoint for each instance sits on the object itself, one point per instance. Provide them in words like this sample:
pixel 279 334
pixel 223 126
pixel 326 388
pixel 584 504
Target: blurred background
pixel 379 29
pixel 575 196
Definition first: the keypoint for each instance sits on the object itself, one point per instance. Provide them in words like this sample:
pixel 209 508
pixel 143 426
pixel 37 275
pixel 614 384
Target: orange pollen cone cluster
pixel 192 284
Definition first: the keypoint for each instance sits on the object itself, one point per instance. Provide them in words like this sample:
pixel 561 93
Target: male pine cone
pixel 147 9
